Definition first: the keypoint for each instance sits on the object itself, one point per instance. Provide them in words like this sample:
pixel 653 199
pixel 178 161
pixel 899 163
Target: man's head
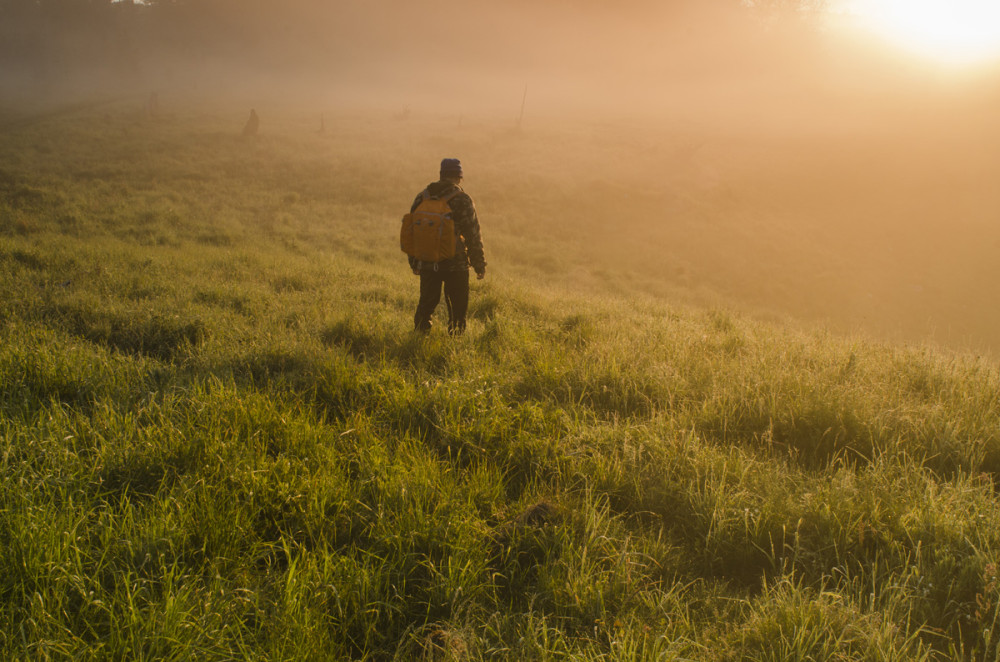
pixel 451 169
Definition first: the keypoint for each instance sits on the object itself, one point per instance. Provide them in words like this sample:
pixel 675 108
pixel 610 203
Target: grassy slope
pixel 220 440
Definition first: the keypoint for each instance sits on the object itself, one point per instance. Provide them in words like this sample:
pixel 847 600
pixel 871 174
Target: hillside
pixel 221 440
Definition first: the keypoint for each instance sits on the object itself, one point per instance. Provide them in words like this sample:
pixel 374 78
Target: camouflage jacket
pixel 469 248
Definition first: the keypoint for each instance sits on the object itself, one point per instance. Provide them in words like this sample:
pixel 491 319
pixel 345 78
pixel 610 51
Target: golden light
pixel 951 31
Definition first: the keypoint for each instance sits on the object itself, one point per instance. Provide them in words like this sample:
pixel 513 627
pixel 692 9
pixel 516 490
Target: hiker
pixel 446 266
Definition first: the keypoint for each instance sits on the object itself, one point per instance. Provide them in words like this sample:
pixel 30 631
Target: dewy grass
pixel 220 440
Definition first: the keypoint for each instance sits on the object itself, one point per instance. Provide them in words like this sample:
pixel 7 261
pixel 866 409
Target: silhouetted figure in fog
pixel 153 105
pixel 253 123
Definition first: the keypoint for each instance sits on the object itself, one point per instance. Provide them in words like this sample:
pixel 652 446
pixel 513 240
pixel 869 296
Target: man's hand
pixel 416 272
pixel 481 274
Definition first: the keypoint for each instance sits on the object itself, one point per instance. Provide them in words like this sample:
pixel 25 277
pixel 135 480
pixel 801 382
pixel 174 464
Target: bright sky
pixel 948 31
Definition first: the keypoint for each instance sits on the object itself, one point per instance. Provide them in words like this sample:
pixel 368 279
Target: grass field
pixel 219 438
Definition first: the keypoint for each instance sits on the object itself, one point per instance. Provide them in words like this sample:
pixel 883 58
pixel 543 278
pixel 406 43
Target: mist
pixel 779 163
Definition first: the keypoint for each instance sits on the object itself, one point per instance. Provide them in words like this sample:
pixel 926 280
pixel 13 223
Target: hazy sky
pixel 960 32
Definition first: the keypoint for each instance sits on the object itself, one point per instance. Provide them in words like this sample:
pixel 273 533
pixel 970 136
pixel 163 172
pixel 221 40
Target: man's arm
pixel 414 263
pixel 472 234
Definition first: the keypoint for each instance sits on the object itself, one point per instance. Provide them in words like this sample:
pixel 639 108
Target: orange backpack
pixel 428 232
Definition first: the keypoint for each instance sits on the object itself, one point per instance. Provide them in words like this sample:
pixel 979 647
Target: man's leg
pixel 430 295
pixel 456 293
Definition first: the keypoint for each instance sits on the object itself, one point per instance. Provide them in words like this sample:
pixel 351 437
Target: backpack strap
pixel 427 195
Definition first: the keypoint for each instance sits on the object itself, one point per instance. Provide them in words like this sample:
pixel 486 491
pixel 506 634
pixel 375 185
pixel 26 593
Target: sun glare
pixel 952 31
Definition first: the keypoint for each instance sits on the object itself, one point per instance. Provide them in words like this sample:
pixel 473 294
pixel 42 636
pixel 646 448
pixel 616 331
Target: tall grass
pixel 220 440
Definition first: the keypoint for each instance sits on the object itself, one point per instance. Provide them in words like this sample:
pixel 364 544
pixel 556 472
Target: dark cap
pixel 451 168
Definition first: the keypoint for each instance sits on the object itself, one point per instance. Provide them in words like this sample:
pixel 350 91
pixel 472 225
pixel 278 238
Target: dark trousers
pixel 456 296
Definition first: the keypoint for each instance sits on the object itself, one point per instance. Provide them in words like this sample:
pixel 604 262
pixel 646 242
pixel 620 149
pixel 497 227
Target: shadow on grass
pixel 156 335
pixel 405 348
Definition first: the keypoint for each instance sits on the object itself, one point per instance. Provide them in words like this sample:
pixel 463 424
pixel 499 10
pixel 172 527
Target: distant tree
pixel 788 9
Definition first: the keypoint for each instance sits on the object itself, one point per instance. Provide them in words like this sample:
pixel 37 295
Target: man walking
pixel 451 273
